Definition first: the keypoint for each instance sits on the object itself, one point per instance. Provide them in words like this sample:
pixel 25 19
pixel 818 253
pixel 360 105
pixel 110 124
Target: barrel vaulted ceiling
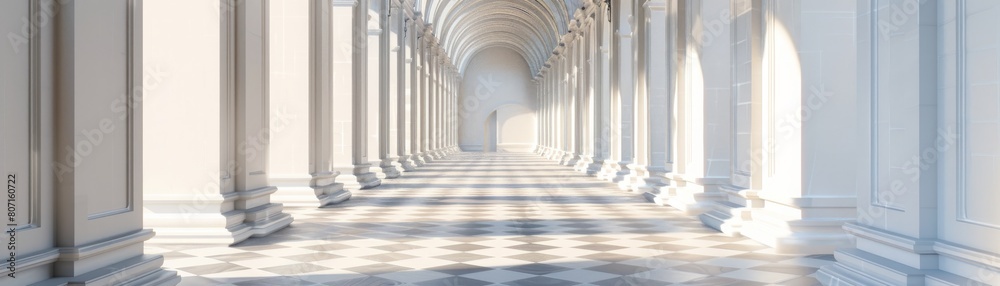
pixel 532 28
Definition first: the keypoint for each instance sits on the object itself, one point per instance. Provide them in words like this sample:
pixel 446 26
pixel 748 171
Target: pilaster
pixel 804 212
pixel 706 120
pixel 387 82
pixel 63 146
pixel 622 112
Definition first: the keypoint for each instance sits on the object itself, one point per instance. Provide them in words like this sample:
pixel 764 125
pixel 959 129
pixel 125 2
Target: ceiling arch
pixel 532 28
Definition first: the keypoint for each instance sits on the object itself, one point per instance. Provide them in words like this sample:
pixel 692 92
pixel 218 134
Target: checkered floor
pixel 501 219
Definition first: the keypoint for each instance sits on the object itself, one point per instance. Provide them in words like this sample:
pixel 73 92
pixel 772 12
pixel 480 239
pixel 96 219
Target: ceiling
pixel 529 27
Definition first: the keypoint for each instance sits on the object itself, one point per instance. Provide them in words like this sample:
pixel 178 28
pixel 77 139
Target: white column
pixel 554 79
pixel 427 59
pixel 300 104
pixel 605 132
pixel 651 116
pixel 572 95
pixel 926 206
pixel 733 212
pixel 62 146
pixel 808 110
pixel 407 89
pixel 387 81
pixel 622 95
pixel 417 93
pixel 592 159
pixel 241 191
pixel 435 104
pixel 350 68
pixel 434 64
pixel 662 91
pixel 706 113
pixel 562 106
pixel 373 92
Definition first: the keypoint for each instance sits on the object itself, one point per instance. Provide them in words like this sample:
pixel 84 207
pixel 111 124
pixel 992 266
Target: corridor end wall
pixel 497 78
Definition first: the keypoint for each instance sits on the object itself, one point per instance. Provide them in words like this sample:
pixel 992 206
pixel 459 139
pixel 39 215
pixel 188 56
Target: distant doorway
pixel 490 135
pixel 510 128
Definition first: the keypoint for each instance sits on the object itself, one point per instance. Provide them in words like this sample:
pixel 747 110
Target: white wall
pixel 184 103
pixel 495 77
pixel 516 129
pixel 289 90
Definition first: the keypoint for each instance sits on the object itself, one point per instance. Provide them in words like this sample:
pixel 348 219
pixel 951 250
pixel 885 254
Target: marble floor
pixel 491 219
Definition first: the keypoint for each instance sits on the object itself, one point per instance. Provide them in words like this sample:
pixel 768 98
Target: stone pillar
pixel 616 168
pixel 407 108
pixel 605 130
pixel 566 111
pixel 571 155
pixel 435 105
pixel 417 107
pixel 572 96
pixel 433 65
pixel 554 80
pixel 927 210
pixel 740 196
pixel 653 115
pixel 544 126
pixel 450 107
pixel 373 93
pixel 388 79
pixel 240 191
pixel 706 113
pixel 351 33
pixel 301 122
pixel 62 145
pixel 808 153
pixel 427 56
pixel 592 126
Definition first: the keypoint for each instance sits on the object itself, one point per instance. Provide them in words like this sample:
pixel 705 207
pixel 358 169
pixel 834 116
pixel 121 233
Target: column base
pixel 139 270
pixel 642 179
pixel 614 171
pixel 694 196
pixel 594 168
pixel 418 159
pixel 426 157
pixel 733 212
pixel 569 159
pixel 406 162
pixel 556 155
pixel 581 165
pixel 361 177
pixel 117 260
pixel 391 168
pixel 377 170
pixel 316 190
pixel 882 257
pixel 432 155
pixel 213 218
pixel 821 233
pixel 590 165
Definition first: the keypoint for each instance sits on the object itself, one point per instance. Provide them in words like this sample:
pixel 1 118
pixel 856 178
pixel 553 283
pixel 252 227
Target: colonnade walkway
pixel 491 219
